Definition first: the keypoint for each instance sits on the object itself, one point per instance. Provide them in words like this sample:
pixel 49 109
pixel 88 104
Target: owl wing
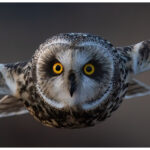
pixel 9 104
pixel 138 61
pixel 137 88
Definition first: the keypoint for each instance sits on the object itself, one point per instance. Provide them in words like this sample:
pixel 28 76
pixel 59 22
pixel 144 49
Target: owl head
pixel 74 70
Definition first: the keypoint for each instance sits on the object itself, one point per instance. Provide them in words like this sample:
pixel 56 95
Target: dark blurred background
pixel 24 26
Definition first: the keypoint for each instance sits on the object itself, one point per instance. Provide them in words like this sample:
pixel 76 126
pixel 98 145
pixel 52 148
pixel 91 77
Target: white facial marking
pixel 87 88
pixel 97 102
pixel 57 41
pixel 50 101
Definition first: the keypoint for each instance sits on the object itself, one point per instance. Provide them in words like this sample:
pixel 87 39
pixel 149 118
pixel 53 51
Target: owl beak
pixel 72 83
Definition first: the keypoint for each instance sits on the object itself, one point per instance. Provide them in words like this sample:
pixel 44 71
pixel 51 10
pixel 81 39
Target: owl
pixel 73 80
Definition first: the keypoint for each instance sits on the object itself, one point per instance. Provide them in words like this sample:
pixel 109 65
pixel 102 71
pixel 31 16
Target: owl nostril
pixel 72 83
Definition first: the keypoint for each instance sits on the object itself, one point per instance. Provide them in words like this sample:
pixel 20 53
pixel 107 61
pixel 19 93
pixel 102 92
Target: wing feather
pixel 139 55
pixel 10 106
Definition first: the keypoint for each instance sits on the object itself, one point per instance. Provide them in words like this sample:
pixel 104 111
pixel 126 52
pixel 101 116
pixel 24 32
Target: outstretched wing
pixel 137 88
pixel 139 55
pixel 9 104
pixel 138 61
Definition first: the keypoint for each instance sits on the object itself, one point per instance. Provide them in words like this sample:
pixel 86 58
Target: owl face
pixel 74 70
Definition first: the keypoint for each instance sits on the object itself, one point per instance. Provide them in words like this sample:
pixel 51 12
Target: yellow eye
pixel 89 69
pixel 57 68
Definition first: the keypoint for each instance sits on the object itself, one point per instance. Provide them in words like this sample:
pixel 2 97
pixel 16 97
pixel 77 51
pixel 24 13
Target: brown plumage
pixel 73 80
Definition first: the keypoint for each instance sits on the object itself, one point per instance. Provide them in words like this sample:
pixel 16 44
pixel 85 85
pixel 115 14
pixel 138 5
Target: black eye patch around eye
pixel 48 67
pixel 99 71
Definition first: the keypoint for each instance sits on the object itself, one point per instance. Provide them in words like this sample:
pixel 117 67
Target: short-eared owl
pixel 73 80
